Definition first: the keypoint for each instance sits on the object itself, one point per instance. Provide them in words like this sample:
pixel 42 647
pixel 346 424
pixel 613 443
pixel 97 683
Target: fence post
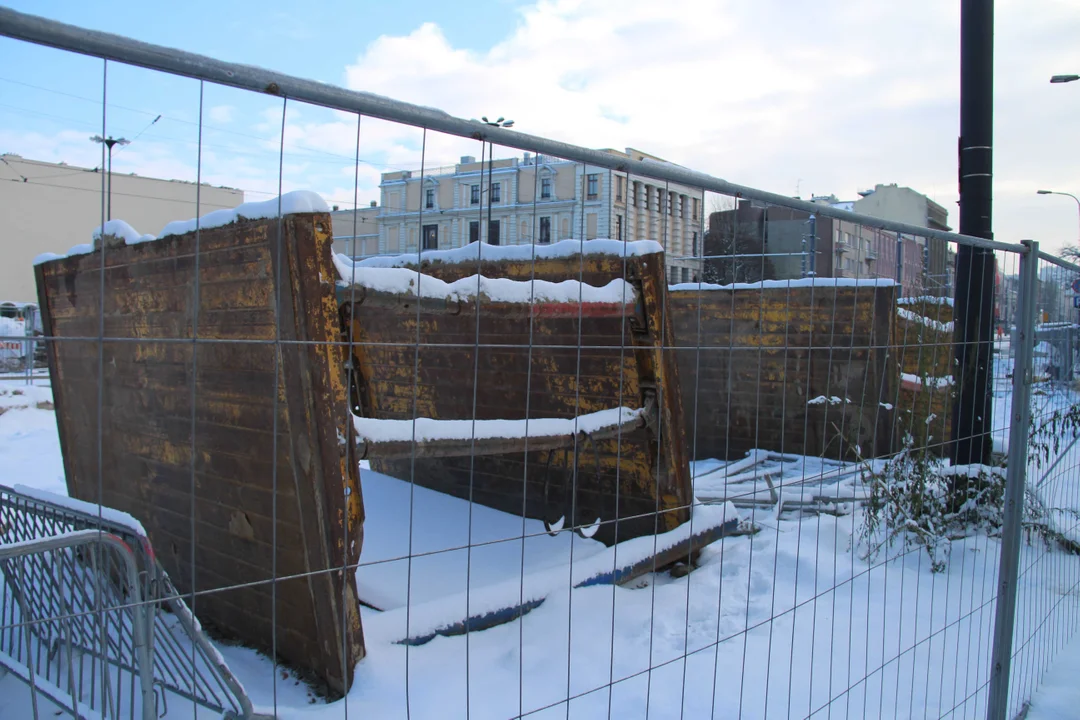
pixel 1016 473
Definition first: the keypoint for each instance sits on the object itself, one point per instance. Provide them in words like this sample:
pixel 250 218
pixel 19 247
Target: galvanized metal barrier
pixel 89 620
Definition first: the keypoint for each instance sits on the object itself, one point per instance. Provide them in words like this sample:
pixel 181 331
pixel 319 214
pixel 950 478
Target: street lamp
pixel 501 122
pixel 110 142
pixel 1064 78
pixel 1055 192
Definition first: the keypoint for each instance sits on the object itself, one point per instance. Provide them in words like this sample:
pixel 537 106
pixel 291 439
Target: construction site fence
pixel 570 433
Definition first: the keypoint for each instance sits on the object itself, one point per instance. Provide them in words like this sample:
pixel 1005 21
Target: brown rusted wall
pixel 151 374
pixel 619 358
pixel 929 307
pixel 926 414
pixel 922 349
pixel 750 359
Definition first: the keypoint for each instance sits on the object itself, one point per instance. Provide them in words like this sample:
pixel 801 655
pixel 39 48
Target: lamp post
pixel 1057 79
pixel 501 122
pixel 1055 192
pixel 110 142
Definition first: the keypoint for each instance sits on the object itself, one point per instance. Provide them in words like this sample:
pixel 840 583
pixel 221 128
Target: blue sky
pixel 828 97
pixel 45 93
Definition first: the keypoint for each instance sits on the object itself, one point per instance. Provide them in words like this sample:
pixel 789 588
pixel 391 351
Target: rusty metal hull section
pixel 258 523
pixel 802 370
pixel 492 360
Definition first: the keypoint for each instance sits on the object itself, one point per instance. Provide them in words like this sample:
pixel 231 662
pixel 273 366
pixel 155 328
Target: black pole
pixel 491 154
pixel 108 201
pixel 480 234
pixel 900 262
pixel 974 266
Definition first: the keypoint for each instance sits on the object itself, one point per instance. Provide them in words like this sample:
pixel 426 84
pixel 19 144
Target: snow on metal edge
pixel 495 253
pixel 412 282
pixel 297 201
pixel 426 429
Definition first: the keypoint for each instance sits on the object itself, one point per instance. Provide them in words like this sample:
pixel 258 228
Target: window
pixel 693 245
pixel 686 275
pixel 593 188
pixel 545 189
pixel 545 230
pixel 619 188
pixel 618 227
pixel 474 230
pixel 696 210
pixel 431 237
pixel 493 232
pixel 496 192
pixel 474 195
pixel 429 201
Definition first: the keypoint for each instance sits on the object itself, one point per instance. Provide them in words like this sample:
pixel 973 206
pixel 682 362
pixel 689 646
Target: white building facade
pixel 517 201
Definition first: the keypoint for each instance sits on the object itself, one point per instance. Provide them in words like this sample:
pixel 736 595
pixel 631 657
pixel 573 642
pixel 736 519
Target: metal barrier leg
pixel 141 629
pixel 1009 564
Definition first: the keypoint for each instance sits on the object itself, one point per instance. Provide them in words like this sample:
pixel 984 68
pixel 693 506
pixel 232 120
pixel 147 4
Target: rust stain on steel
pixel 625 358
pixel 307 494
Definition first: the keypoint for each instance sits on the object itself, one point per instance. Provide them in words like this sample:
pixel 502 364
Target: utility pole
pixel 900 262
pixel 110 142
pixel 501 122
pixel 974 298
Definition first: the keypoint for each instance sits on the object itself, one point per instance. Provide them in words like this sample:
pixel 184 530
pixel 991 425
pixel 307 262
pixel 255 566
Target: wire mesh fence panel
pixel 496 426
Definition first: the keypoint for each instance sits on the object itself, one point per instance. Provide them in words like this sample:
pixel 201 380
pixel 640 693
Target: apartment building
pixel 902 204
pixel 356 232
pixel 538 199
pixel 753 242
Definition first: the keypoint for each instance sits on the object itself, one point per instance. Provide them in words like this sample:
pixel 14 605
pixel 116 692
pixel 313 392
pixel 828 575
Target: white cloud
pixel 839 94
pixel 222 114
pixel 830 96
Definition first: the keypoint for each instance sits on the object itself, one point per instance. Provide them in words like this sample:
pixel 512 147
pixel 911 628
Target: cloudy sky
pixel 794 97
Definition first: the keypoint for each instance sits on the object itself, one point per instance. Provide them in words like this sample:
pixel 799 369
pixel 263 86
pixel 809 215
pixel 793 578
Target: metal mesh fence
pixel 555 432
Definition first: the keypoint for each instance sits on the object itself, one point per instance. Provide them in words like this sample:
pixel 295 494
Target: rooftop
pixel 14 157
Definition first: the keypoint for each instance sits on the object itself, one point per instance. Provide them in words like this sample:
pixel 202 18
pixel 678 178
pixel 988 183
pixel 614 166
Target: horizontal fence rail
pixel 42 31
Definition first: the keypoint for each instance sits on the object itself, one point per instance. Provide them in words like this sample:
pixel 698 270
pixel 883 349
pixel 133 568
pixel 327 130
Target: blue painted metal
pixel 476 622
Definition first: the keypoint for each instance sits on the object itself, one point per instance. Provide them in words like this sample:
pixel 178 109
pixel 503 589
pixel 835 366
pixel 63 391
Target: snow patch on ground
pixel 784 623
pixel 1058 696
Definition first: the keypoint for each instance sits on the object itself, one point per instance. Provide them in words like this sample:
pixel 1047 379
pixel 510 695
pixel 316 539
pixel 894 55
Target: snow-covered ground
pixel 789 622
